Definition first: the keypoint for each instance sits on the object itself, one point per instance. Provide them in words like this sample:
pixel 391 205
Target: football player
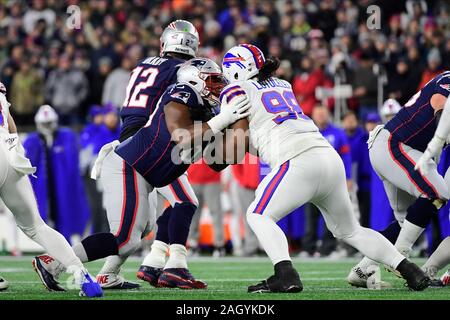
pixel 129 171
pixel 148 81
pixel 401 153
pixel 17 193
pixel 305 168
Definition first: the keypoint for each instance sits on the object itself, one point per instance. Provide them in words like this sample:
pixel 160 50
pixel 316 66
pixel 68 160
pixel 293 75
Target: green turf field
pixel 228 278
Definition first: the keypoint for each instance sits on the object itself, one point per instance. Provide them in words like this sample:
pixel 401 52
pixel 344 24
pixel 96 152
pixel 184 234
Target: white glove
pixel 434 150
pixel 230 112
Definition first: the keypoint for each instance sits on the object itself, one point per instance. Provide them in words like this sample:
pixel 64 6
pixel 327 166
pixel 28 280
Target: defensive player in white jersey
pixel 305 168
pixel 17 193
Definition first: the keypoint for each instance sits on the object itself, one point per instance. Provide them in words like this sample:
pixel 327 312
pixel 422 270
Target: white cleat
pixel 3 284
pixel 115 281
pixel 369 280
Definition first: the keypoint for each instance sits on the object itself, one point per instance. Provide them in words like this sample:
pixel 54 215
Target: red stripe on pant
pixel 407 164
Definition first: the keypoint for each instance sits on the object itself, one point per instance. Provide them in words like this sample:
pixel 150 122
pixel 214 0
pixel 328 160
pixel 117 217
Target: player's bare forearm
pixel 181 127
pixel 235 142
pixel 11 124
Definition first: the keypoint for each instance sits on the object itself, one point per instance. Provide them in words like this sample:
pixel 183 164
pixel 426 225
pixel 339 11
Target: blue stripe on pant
pixel 129 205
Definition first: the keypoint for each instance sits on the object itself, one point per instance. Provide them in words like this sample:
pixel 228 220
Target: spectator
pixel 66 88
pixel 37 13
pixel 434 61
pixel 365 85
pixel 116 83
pixel 26 92
pixel 98 80
pixel 402 82
pixel 305 84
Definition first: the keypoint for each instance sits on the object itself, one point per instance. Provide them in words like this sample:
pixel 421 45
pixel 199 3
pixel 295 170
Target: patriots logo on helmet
pixel 182 95
pixel 445 86
pixel 229 58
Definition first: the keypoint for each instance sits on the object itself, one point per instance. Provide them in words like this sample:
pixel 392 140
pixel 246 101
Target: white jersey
pixel 278 128
pixel 4 114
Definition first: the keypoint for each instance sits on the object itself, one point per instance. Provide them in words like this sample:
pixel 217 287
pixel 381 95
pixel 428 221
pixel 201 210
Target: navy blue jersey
pixel 148 81
pixel 416 122
pixel 149 151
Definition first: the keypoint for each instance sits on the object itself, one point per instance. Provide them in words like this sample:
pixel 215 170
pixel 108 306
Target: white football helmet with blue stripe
pixel 242 62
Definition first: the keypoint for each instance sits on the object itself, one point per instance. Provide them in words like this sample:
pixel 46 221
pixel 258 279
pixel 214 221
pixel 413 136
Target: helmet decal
pixel 229 58
pixel 256 53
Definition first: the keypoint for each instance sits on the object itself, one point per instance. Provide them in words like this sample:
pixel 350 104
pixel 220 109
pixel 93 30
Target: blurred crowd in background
pixel 82 73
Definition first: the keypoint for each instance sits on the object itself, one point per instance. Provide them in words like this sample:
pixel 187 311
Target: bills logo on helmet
pixel 181 95
pixel 229 58
pixel 445 86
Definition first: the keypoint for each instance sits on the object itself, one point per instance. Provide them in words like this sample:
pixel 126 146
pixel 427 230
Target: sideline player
pixel 17 193
pixel 150 158
pixel 396 150
pixel 305 168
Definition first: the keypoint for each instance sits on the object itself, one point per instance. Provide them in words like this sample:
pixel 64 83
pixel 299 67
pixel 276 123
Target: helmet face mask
pixel 205 76
pixel 181 37
pixel 214 83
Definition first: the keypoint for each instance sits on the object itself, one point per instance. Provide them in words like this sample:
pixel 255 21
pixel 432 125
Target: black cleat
pixel 46 277
pixel 149 274
pixel 436 283
pixel 287 281
pixel 415 278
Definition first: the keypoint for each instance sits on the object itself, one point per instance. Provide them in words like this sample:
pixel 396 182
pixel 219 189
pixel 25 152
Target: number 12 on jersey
pixel 285 103
pixel 141 78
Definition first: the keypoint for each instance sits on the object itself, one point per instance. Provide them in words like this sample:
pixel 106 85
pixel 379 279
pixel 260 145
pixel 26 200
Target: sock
pixel 180 222
pixel 376 247
pixel 96 246
pixel 177 257
pixel 157 256
pixel 163 226
pixel 418 217
pixel 408 236
pixel 271 237
pixel 392 231
pixel 112 265
pixel 365 263
pixel 440 257
pixel 54 243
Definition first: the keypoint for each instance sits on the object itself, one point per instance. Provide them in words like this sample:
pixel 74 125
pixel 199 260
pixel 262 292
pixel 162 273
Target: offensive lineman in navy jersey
pixel 400 156
pixel 130 170
pixel 148 81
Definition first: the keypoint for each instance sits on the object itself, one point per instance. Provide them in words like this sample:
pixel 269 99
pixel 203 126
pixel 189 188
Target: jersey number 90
pixel 284 103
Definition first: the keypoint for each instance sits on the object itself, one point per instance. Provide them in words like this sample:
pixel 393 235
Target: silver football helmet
pixel 180 36
pixel 205 76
